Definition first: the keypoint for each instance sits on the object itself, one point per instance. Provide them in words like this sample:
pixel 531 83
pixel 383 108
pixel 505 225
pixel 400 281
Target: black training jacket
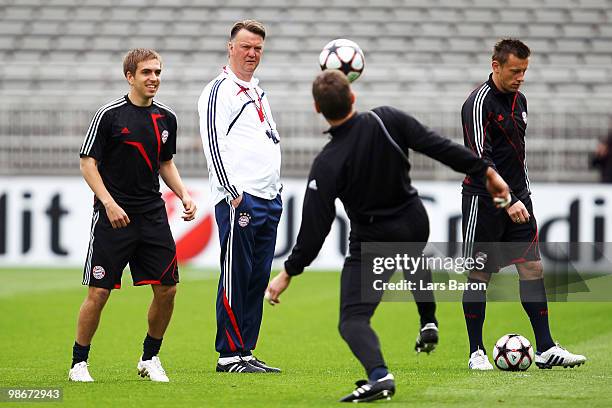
pixel 361 168
pixel 494 124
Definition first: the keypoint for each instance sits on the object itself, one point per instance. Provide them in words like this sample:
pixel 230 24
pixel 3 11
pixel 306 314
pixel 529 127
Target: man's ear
pixel 129 77
pixel 317 109
pixel 495 66
pixel 353 97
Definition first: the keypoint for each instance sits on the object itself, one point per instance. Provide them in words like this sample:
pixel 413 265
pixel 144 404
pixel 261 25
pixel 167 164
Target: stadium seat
pixel 107 43
pixel 268 14
pixel 544 30
pixel 437 29
pixel 402 29
pixel 447 15
pixel 602 45
pixel 52 13
pixel 91 14
pixel 598 59
pixel 391 44
pixel 429 44
pixel 558 16
pixel 594 75
pixel 79 43
pixel 64 3
pixel 472 30
pixel 142 41
pixel 479 15
pixel 579 31
pixel 410 15
pixel 459 45
pixel 35 43
pixel 564 58
pixel 196 14
pixel 586 16
pixel 7 42
pixel 81 28
pixel 125 13
pixel 436 50
pixel 18 13
pixel 507 30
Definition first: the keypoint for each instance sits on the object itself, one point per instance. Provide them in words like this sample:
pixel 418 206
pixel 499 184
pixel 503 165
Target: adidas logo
pixel 125 131
pixel 313 185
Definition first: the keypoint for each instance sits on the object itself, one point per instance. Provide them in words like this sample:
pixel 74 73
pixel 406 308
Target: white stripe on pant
pixel 227 278
pixel 87 275
pixel 468 242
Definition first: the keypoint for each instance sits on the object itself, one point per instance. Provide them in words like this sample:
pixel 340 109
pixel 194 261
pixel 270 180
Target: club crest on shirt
pixel 244 219
pixel 525 117
pixel 164 136
pixel 98 272
pixel 481 257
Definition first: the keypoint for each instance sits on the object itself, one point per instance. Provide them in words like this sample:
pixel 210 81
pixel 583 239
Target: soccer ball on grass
pixel 513 352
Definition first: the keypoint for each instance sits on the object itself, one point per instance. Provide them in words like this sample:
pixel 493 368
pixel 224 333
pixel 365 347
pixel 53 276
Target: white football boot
pixel 479 361
pixel 80 373
pixel 558 356
pixel 153 369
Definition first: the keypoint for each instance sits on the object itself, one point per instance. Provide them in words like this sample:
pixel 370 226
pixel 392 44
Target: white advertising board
pixel 45 221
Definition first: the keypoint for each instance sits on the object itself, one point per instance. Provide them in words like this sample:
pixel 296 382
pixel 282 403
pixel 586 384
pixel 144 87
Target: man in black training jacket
pixel 361 168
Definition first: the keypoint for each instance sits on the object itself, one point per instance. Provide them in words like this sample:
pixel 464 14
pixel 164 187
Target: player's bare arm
pixel 116 215
pixel 169 173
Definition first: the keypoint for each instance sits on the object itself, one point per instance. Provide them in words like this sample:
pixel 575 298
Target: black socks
pixel 150 347
pixel 474 307
pixel 533 299
pixel 79 353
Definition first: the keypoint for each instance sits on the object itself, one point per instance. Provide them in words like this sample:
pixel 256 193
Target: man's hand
pixel 518 213
pixel 236 201
pixel 277 286
pixel 189 208
pixel 497 187
pixel 117 217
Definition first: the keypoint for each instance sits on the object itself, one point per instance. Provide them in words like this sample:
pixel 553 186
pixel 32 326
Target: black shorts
pixel 146 244
pixel 491 236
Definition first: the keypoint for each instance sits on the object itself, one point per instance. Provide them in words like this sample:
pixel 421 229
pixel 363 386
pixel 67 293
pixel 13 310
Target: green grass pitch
pixel 38 310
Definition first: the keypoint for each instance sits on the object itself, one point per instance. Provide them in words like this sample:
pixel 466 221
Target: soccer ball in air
pixel 344 55
pixel 513 352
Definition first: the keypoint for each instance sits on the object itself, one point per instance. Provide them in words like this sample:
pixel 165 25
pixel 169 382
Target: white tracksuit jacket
pixel 239 137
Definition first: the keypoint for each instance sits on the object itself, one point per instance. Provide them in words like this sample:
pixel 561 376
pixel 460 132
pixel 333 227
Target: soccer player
pixel 129 144
pixel 494 120
pixel 242 149
pixel 361 168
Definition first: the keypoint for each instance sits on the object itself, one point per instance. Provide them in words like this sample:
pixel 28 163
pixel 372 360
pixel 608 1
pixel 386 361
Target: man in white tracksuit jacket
pixel 242 149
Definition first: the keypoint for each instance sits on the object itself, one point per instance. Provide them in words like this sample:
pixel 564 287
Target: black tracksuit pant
pixel 355 312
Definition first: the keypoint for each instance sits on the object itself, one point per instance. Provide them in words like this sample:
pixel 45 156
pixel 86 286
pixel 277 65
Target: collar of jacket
pixel 230 74
pixel 344 127
pixel 496 91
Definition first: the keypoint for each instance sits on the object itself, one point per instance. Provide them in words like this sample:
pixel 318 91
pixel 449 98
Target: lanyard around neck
pixel 260 112
pixel 259 109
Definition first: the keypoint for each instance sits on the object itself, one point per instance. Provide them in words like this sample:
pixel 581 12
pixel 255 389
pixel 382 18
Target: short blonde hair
pixel 136 56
